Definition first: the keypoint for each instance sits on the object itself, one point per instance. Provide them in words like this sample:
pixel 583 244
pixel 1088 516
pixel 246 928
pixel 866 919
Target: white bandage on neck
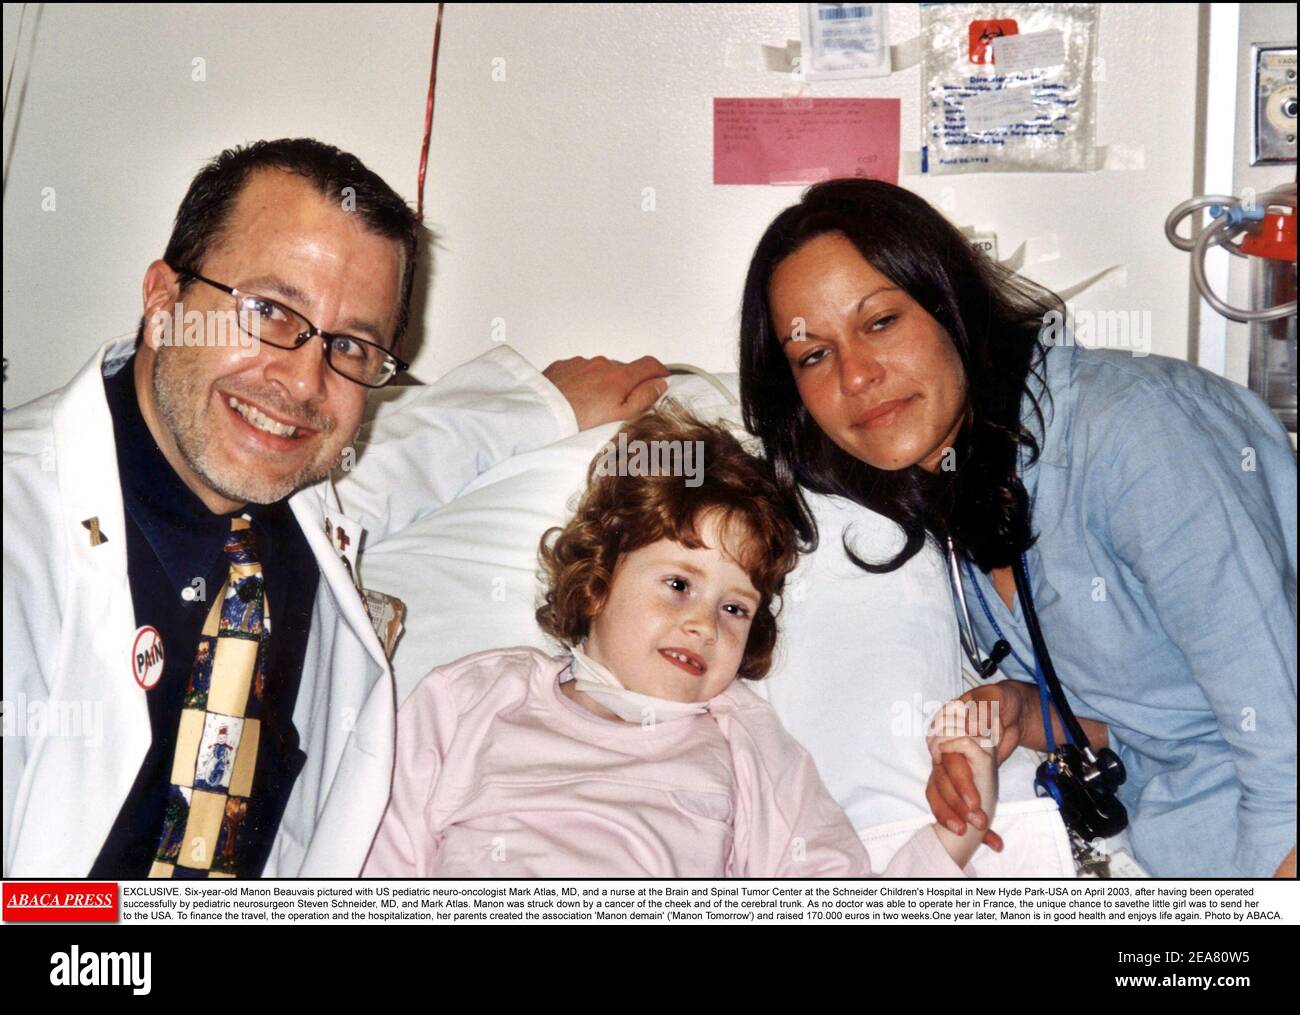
pixel 593 679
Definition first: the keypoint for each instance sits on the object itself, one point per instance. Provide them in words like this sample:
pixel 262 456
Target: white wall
pixel 535 183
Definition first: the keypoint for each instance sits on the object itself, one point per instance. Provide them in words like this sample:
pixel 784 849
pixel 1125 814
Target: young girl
pixel 638 752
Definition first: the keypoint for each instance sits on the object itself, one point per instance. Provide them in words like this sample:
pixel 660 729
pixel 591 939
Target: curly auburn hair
pixel 620 514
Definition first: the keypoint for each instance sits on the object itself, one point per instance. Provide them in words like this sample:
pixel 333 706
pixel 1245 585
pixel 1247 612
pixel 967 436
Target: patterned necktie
pixel 216 747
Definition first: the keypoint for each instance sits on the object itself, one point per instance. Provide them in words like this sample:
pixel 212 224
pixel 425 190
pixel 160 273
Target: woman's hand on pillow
pixel 603 390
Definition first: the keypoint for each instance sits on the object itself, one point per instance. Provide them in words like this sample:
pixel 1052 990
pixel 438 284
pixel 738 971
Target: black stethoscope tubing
pixel 1002 648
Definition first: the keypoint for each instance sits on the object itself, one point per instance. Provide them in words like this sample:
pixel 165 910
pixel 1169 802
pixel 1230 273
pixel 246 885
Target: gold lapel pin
pixel 96 537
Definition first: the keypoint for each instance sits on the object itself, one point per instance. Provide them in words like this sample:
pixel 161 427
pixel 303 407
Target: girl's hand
pixel 977 755
pixel 993 711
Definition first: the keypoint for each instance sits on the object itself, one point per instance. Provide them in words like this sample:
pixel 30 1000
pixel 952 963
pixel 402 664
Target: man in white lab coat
pixel 301 241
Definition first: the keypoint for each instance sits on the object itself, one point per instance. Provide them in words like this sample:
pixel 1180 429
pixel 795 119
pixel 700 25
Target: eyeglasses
pixel 270 321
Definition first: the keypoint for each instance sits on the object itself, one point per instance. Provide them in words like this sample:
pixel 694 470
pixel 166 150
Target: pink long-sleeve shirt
pixel 499 774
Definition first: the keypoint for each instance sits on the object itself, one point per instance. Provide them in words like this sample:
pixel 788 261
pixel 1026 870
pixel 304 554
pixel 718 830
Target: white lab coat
pixel 69 622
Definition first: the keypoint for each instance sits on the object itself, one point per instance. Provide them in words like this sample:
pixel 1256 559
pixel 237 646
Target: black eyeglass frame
pixel 399 364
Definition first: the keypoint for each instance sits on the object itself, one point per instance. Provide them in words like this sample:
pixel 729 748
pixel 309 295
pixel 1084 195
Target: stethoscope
pixel 1088 805
pixel 1001 648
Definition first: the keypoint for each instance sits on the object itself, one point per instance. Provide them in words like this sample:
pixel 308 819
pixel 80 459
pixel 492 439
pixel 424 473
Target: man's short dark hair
pixel 207 205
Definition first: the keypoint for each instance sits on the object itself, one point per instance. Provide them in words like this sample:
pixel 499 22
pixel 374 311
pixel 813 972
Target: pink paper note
pixel 798 141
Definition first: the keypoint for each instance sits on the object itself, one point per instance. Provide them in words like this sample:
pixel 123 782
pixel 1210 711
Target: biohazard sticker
pixel 982 34
pixel 147 657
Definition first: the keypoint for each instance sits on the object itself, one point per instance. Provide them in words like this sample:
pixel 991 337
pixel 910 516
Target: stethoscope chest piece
pixel 1082 782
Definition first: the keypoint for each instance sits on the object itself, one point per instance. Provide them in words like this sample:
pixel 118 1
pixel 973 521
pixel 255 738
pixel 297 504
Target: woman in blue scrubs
pixel 884 360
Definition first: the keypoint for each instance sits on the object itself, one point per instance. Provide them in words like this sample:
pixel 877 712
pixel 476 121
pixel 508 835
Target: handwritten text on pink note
pixel 804 140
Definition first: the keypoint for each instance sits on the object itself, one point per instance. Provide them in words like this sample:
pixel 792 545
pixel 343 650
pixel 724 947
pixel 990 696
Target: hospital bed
pixel 862 658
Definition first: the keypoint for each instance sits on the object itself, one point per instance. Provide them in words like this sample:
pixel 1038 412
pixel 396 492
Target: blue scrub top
pixel 1164 577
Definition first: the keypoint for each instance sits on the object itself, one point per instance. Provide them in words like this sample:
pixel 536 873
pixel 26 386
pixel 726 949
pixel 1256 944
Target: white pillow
pixel 861 658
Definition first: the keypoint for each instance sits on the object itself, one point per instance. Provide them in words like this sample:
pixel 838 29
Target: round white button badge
pixel 147 657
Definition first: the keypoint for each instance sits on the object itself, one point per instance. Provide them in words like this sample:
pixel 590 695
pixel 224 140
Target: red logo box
pixel 982 34
pixel 72 901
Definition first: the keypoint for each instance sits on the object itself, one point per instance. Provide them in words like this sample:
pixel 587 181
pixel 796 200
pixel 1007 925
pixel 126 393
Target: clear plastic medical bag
pixel 1007 88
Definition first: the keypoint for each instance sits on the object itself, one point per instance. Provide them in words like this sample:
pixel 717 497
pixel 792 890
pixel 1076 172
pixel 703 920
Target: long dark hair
pixel 993 318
